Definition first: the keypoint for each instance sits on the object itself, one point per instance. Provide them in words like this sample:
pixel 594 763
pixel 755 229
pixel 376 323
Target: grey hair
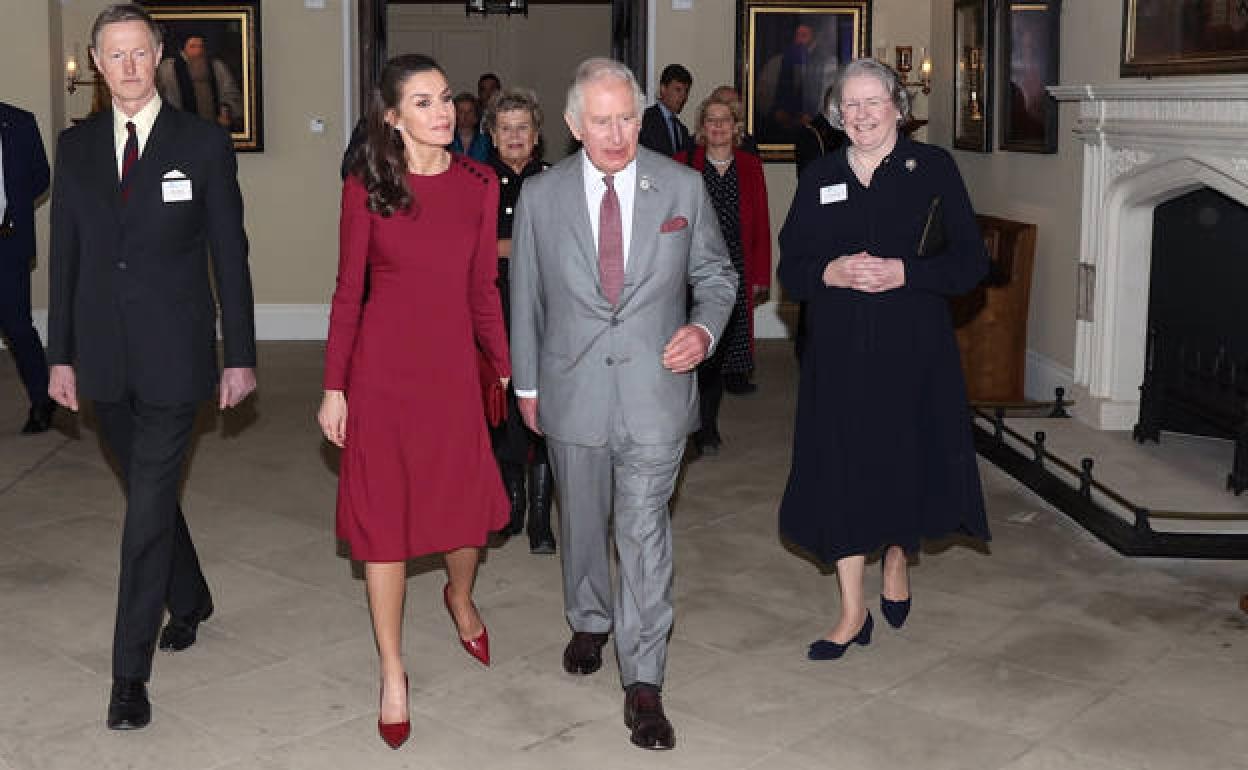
pixel 119 12
pixel 593 70
pixel 869 68
pixel 513 100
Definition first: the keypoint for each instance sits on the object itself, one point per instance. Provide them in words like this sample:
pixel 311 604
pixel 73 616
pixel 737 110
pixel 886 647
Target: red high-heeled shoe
pixel 393 733
pixel 479 647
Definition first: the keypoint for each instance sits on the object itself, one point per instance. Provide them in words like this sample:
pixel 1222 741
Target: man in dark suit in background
pixel 143 193
pixel 661 129
pixel 24 168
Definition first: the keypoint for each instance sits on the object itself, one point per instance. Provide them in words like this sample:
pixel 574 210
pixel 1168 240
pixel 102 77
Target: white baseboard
pixel 1043 375
pixel 768 325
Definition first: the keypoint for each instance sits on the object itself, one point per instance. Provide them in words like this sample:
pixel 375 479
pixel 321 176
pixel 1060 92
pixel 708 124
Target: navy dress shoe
pixel 824 649
pixel 895 612
pixel 128 706
pixel 180 633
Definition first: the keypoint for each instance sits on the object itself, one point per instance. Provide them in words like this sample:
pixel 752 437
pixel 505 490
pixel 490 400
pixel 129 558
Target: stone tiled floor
pixel 1046 651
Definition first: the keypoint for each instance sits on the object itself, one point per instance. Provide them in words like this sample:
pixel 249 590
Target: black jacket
pixel 654 133
pixel 131 302
pixel 25 179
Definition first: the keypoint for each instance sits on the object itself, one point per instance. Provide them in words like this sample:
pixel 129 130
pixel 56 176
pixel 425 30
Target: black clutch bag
pixel 933 237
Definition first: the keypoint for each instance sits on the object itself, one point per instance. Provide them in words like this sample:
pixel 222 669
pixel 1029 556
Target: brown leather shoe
pixel 583 655
pixel 643 712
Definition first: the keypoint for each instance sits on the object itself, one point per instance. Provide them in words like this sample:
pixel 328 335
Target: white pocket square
pixel 174 174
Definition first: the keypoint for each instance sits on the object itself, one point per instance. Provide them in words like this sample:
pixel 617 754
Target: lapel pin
pixel 644 183
pixel 911 164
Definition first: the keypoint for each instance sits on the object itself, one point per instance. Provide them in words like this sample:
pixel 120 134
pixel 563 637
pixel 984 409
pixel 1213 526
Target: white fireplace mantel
pixel 1145 142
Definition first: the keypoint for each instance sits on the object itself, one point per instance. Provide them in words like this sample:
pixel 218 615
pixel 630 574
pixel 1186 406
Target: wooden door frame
pixel 628 36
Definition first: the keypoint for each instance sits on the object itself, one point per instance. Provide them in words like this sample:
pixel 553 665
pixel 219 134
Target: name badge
pixel 833 193
pixel 175 188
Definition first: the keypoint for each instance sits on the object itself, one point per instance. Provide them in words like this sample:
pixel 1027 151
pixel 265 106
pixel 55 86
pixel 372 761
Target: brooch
pixel 911 164
pixel 644 183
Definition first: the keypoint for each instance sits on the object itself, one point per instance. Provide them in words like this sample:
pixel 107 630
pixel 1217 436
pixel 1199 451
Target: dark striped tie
pixel 129 156
pixel 610 243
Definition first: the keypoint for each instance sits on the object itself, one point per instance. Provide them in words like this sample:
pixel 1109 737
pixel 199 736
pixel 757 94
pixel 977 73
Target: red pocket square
pixel 675 224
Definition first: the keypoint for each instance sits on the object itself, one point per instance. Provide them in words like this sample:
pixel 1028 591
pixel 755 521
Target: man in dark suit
pixel 142 194
pixel 661 129
pixel 24 168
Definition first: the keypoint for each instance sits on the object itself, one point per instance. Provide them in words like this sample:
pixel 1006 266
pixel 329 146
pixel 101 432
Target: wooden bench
pixel 991 321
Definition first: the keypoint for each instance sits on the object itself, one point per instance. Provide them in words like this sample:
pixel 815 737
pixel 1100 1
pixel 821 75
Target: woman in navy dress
pixel 402 395
pixel 882 454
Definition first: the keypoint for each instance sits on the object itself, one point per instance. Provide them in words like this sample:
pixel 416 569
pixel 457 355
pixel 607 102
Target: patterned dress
pixel 738 357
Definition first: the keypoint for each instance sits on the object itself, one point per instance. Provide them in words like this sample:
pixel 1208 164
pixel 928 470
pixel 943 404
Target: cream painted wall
pixel 539 51
pixel 291 190
pixel 703 39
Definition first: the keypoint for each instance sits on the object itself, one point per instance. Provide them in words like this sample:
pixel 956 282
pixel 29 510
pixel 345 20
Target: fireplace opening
pixel 1196 356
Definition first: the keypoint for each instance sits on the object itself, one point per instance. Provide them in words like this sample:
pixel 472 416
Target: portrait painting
pixel 211 64
pixel 788 53
pixel 1184 37
pixel 1031 32
pixel 972 42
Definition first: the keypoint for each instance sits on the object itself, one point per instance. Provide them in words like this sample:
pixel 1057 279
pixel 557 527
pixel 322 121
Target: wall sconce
pixel 486 7
pixel 72 81
pixel 905 65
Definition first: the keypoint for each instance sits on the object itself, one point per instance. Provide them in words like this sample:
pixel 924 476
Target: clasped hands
pixel 865 272
pixel 686 349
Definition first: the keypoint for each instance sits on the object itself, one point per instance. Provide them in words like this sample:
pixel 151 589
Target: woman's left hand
pixel 879 274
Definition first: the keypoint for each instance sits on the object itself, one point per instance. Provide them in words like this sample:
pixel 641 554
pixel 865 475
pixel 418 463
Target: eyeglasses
pixel 872 104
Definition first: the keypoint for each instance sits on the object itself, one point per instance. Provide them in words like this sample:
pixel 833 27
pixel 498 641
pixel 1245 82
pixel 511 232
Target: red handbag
pixel 493 392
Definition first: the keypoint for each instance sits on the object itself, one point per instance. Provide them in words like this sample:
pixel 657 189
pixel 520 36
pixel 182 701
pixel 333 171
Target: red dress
pixel 417 475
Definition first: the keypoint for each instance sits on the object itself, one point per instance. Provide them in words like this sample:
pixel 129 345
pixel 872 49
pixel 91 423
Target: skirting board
pixel 1043 375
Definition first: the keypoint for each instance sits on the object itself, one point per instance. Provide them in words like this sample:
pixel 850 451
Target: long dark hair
pixel 381 162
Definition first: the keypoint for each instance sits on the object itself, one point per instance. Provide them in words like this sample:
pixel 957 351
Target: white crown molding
pixel 1154 90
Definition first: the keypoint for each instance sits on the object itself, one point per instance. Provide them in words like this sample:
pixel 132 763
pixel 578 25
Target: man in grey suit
pixel 603 344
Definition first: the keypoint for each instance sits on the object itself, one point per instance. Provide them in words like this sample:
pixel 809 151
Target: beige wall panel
pixel 539 51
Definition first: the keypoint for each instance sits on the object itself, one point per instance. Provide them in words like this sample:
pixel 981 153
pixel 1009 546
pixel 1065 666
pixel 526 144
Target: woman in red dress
pixel 402 395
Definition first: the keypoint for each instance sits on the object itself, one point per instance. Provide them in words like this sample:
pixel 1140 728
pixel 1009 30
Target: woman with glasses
pixel 734 181
pixel 879 235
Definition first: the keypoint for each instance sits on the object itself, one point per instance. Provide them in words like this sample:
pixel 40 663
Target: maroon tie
pixel 610 243
pixel 129 156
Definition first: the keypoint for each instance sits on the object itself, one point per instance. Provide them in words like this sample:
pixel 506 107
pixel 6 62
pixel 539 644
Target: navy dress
pixel 882 451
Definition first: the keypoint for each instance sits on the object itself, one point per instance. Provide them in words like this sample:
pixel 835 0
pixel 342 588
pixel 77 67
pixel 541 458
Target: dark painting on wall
pixel 788 53
pixel 972 43
pixel 1031 32
pixel 1184 37
pixel 211 64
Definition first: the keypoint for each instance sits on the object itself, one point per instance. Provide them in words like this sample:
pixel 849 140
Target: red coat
pixel 752 212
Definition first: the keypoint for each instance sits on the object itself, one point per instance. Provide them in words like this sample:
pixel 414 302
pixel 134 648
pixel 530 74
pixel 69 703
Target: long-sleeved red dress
pixel 417 475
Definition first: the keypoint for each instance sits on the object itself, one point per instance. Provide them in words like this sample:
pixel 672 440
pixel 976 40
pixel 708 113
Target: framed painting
pixel 788 53
pixel 972 93
pixel 211 64
pixel 1031 62
pixel 1168 37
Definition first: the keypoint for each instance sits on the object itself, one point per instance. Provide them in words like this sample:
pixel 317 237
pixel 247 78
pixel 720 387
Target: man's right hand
pixel 63 386
pixel 528 410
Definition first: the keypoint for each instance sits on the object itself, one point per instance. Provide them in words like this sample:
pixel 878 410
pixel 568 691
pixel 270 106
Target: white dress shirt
pixel 143 120
pixel 625 184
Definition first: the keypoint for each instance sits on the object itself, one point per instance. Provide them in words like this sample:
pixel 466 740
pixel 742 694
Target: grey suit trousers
pixel 636 481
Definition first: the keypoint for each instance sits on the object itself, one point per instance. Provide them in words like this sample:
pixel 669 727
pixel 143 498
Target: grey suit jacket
pixel 569 343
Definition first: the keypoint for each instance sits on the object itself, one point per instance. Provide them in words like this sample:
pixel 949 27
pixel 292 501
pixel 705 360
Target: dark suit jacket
pixel 25 179
pixel 655 136
pixel 131 303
